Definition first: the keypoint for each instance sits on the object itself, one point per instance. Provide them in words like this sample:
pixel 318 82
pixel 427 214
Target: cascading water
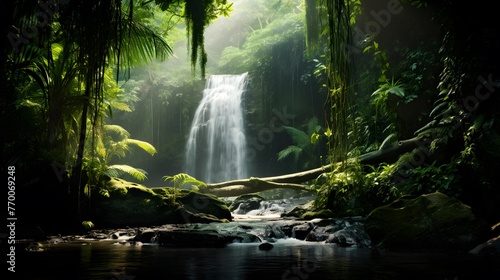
pixel 216 144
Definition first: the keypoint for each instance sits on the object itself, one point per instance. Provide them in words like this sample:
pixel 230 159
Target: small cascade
pixel 267 209
pixel 216 144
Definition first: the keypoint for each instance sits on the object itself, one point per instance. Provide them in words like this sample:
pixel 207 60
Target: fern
pixel 87 225
pixel 116 170
pixel 299 137
pixel 295 150
pixel 303 147
pixel 182 179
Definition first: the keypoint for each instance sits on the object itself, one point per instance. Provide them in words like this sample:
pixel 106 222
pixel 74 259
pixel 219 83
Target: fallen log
pixel 292 181
pixel 250 186
pixel 289 179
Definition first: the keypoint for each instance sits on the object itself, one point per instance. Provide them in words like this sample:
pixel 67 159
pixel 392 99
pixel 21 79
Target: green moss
pixel 324 213
pixel 131 204
pixel 206 203
pixel 432 221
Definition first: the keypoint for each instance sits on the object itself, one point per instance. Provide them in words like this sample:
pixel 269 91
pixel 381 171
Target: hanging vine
pixel 198 14
pixel 338 70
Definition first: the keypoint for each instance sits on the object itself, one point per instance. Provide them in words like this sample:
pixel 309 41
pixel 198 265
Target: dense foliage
pixel 450 114
pixel 59 71
pixel 330 80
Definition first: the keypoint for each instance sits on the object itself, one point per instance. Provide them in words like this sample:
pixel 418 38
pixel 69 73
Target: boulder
pixel 351 236
pixel 265 246
pixel 196 202
pixel 300 210
pixel 246 203
pixel 488 248
pixel 273 232
pixel 340 231
pixel 320 233
pixel 194 238
pixel 429 222
pixel 121 203
pixel 302 230
pixel 146 236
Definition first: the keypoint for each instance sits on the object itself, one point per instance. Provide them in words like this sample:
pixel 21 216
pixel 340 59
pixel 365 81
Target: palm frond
pixel 141 45
pixel 121 106
pixel 116 170
pixel 150 149
pixel 118 130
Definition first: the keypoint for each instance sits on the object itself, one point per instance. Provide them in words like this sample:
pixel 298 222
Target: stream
pixel 289 259
pixel 118 257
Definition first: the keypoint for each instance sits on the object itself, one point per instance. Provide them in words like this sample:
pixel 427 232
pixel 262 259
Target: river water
pixel 289 259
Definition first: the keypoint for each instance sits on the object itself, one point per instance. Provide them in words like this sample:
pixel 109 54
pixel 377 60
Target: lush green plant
pixel 432 177
pixel 88 225
pixel 355 188
pixel 379 57
pixel 418 70
pixel 381 96
pixel 183 180
pixel 117 143
pixel 304 148
pixel 386 98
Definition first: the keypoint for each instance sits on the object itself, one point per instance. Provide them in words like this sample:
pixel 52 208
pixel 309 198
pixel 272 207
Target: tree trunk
pixel 240 187
pixel 77 191
pixel 292 181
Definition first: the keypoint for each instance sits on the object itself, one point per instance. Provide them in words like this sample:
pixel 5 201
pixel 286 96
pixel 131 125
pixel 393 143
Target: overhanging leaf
pixel 118 169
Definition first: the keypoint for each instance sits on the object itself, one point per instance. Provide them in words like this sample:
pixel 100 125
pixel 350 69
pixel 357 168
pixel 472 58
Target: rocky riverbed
pixel 432 222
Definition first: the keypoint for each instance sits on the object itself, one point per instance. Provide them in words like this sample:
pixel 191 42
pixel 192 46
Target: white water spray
pixel 216 144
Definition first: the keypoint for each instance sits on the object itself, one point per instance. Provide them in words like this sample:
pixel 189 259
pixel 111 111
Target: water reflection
pixel 289 259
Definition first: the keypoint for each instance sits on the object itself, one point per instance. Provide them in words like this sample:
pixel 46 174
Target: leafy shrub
pixel 355 189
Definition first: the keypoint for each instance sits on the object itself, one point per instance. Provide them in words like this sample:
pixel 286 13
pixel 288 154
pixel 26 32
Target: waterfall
pixel 216 144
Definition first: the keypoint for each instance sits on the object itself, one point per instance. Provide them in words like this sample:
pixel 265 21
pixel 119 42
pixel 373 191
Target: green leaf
pixel 87 224
pixel 118 169
pixel 150 149
pixel 367 49
pixel 328 132
pixel 181 179
pixel 296 151
pixel 314 137
pixel 398 91
pixel 299 137
pixel 120 131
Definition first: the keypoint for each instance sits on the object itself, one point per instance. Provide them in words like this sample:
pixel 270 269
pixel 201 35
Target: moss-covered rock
pixel 120 203
pixel 431 222
pixel 323 213
pixel 196 202
pixel 299 210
